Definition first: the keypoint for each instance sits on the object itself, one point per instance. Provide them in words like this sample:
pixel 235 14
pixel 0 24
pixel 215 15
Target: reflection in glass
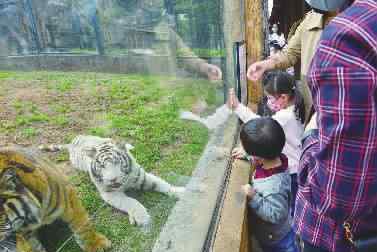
pixel 122 69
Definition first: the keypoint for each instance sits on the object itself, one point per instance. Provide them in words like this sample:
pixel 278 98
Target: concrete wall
pixel 146 64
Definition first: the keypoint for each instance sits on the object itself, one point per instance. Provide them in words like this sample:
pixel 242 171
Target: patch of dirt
pixel 81 111
pixel 33 95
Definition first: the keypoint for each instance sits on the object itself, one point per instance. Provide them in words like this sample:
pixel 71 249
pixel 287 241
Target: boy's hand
pixel 232 99
pixel 248 190
pixel 238 153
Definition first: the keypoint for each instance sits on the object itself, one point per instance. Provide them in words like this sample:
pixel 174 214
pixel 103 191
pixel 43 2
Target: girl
pixel 285 100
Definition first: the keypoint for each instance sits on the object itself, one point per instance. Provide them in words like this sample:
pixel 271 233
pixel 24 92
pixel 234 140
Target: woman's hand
pixel 257 69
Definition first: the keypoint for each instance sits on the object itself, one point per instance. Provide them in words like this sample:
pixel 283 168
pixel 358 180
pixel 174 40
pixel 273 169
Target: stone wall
pixel 145 64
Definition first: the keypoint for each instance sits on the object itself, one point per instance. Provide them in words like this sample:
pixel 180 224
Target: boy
pixel 270 189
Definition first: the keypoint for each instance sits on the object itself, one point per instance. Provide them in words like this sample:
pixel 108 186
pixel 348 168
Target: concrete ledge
pixel 188 225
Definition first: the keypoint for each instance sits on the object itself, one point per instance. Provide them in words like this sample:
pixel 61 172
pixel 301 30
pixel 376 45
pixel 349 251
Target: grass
pixel 142 110
pixel 29 132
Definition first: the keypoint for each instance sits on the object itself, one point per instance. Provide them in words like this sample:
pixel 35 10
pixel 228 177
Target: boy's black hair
pixel 263 137
pixel 280 82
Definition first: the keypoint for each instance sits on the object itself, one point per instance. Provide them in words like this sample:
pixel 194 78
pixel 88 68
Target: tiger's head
pixel 112 162
pixel 8 191
pixel 18 205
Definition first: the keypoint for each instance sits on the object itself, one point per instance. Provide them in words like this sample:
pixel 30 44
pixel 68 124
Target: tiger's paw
pixel 99 244
pixel 141 219
pixel 50 148
pixel 177 191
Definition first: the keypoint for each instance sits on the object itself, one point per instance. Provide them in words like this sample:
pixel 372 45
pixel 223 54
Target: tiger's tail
pixel 53 147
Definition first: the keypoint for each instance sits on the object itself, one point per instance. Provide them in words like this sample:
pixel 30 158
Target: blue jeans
pixel 294 187
pixel 287 244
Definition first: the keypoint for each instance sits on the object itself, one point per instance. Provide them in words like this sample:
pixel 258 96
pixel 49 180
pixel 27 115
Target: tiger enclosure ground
pixel 53 107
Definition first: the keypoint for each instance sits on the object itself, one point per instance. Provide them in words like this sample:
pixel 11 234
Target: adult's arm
pixel 292 53
pixel 195 63
pixel 285 59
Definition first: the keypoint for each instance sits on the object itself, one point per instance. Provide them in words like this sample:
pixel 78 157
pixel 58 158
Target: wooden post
pixel 254 44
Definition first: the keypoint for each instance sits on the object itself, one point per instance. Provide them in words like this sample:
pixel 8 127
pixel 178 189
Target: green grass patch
pixel 62 109
pixel 142 110
pixel 29 119
pixel 5 75
pixel 29 132
pixel 60 120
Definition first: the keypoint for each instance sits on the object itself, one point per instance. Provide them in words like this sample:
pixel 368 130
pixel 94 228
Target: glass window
pixel 119 69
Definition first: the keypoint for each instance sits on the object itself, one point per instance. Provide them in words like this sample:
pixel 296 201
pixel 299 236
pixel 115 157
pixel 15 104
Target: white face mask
pixel 327 5
pixel 275 29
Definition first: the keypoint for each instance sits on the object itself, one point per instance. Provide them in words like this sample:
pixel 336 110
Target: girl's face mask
pixel 273 103
pixel 257 160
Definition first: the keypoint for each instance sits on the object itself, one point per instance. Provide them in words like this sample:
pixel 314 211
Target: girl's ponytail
pixel 299 104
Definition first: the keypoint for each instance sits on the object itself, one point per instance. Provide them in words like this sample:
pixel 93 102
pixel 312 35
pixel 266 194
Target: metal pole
pixel 33 25
pixel 99 34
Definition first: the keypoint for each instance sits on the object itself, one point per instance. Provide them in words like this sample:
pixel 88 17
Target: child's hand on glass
pixel 248 190
pixel 232 99
pixel 239 153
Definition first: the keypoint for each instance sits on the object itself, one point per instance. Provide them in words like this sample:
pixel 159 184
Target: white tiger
pixel 114 170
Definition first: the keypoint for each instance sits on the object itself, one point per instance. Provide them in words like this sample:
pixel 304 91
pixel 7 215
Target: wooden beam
pixel 254 44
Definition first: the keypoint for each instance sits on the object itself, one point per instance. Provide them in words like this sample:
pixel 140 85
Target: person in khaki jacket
pixel 302 46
